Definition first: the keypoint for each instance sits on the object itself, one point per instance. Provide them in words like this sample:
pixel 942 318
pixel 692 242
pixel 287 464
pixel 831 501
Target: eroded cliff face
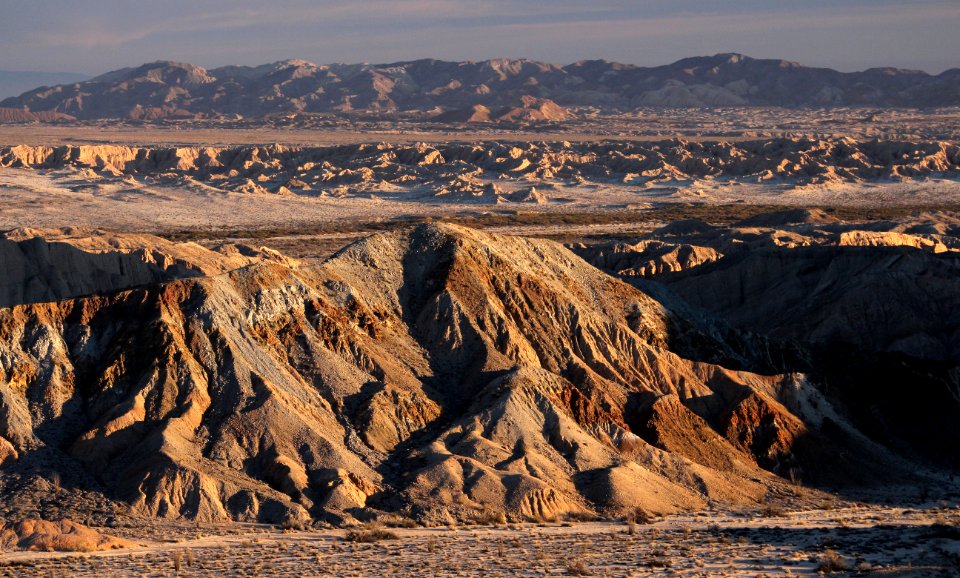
pixel 868 309
pixel 436 371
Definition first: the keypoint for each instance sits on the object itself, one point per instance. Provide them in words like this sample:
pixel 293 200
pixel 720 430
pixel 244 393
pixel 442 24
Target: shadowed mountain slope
pixel 170 89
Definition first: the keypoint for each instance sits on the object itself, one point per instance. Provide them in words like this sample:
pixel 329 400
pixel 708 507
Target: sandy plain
pixel 849 537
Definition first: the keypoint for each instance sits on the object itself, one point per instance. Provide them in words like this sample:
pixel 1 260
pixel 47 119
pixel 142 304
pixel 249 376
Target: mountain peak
pixel 160 71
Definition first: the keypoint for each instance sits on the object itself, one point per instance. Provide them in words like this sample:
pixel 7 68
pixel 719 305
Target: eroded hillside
pixel 437 371
pixel 496 172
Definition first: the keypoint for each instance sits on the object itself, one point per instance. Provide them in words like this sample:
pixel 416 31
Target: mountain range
pixel 435 87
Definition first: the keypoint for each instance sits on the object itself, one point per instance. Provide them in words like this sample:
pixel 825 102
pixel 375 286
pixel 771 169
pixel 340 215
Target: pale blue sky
pixel 94 36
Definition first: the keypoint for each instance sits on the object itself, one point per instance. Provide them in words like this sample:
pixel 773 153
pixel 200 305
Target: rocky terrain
pixel 62 535
pixel 54 265
pixel 765 384
pixel 19 115
pixel 465 90
pixel 445 374
pixel 502 172
pixel 871 304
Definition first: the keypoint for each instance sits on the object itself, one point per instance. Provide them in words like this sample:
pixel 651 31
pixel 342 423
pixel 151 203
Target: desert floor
pixel 866 540
pixel 67 198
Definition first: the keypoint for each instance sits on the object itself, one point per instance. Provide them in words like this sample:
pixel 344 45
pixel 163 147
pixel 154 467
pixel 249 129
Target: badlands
pixel 696 387
pixel 516 350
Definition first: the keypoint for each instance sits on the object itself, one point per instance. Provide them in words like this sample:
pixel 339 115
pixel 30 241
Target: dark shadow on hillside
pixel 39 271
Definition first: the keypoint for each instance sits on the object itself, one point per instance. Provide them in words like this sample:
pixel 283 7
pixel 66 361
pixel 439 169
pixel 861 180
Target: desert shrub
pixel 830 562
pixel 641 516
pixel 658 562
pixel 488 518
pixel 772 511
pixel 83 546
pixel 577 567
pixel 369 535
pixel 581 517
pixel 293 524
pixel 401 522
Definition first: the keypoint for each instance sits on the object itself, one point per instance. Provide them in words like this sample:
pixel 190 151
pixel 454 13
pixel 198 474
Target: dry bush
pixel 370 534
pixel 56 482
pixel 581 517
pixel 291 524
pixel 658 562
pixel 577 567
pixel 488 518
pixel 400 522
pixel 831 562
pixel 641 516
pixel 772 511
pixel 541 519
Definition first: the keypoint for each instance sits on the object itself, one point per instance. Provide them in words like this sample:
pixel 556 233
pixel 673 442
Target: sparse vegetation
pixel 369 534
pixel 830 562
pixel 578 567
pixel 773 511
pixel 400 522
pixel 542 519
pixel 641 516
pixel 506 551
pixel 489 518
pixel 291 524
pixel 658 562
pixel 581 517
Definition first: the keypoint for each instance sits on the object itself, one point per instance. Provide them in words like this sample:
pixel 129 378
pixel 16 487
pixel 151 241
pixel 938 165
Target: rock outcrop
pixel 62 535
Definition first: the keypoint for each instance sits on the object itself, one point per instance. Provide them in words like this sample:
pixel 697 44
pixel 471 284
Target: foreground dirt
pixel 867 540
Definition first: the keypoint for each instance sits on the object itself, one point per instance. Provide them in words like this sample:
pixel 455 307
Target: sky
pixel 95 36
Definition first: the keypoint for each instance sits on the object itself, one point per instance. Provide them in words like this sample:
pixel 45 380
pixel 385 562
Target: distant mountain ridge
pixel 168 89
pixel 14 82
